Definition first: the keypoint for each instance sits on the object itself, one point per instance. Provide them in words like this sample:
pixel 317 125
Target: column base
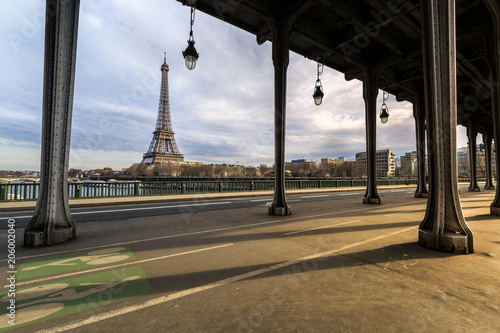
pixel 374 201
pixel 280 211
pixel 38 238
pixel 491 187
pixel 495 211
pixel 421 195
pixel 448 242
pixel 474 189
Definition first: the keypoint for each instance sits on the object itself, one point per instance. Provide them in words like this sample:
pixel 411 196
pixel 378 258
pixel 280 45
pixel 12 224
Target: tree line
pixel 348 169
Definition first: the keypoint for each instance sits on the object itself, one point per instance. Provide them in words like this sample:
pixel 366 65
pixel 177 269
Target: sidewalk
pixel 13 206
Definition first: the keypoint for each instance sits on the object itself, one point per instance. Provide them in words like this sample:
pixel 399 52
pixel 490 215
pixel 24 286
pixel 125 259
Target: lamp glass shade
pixel 190 62
pixel 318 100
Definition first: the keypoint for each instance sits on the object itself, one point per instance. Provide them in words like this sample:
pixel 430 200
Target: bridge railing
pixel 16 192
pixel 29 191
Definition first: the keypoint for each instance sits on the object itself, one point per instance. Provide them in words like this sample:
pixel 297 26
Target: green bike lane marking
pixel 72 261
pixel 69 296
pixel 123 279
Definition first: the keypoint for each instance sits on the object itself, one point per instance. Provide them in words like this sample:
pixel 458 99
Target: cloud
pixel 19 155
pixel 222 112
pixel 87 159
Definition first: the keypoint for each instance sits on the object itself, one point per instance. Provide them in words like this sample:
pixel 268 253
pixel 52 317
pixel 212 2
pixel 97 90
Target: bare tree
pixel 265 171
pixel 75 173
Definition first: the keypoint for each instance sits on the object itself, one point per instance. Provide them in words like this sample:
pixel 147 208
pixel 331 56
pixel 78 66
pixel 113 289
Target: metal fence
pixel 29 191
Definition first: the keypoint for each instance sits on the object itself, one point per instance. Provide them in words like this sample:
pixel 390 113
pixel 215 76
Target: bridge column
pixel 487 160
pixel 472 135
pixel 419 115
pixel 444 227
pixel 280 50
pixel 370 92
pixel 494 61
pixel 52 222
pixel 280 28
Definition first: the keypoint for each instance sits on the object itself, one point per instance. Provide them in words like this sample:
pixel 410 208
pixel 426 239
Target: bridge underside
pixel 441 55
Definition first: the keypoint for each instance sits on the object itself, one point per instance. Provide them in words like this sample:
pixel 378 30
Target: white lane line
pixel 349 193
pixel 202 232
pixel 128 263
pixel 150 208
pixel 315 196
pixel 256 200
pixel 16 217
pixel 398 190
pixel 322 227
pixel 404 212
pixel 187 292
pixel 132 209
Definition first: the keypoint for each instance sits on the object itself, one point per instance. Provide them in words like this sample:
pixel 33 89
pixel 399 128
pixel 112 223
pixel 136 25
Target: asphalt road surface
pixel 125 212
pixel 100 214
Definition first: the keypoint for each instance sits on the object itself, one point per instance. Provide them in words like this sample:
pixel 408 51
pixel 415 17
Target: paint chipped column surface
pixel 52 222
pixel 444 227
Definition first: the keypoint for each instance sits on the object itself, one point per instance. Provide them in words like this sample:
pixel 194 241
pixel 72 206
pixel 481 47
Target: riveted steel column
pixel 370 92
pixel 487 160
pixel 419 115
pixel 280 49
pixel 280 27
pixel 494 61
pixel 472 135
pixel 52 222
pixel 444 227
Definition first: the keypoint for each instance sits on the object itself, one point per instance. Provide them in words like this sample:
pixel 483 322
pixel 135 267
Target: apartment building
pixel 385 161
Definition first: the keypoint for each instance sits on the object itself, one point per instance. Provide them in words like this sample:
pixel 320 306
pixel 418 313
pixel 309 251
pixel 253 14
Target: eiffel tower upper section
pixel 163 147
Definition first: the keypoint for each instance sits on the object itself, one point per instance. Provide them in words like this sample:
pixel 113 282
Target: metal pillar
pixel 280 27
pixel 419 115
pixel 52 222
pixel 370 92
pixel 487 160
pixel 494 61
pixel 280 49
pixel 472 135
pixel 444 227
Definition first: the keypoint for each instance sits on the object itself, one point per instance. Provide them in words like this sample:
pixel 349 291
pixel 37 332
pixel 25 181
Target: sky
pixel 222 111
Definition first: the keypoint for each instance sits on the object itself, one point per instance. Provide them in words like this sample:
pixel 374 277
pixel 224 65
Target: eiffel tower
pixel 163 147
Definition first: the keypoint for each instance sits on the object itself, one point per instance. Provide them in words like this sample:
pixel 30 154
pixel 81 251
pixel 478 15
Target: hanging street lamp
pixel 318 87
pixel 318 93
pixel 384 110
pixel 190 54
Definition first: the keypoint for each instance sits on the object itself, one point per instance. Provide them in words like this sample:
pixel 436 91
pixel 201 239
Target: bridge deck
pixel 331 266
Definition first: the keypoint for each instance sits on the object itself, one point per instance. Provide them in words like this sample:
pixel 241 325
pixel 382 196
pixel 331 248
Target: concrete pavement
pixel 332 266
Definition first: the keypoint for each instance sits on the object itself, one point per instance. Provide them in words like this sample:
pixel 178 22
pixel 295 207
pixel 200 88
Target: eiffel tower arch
pixel 163 148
